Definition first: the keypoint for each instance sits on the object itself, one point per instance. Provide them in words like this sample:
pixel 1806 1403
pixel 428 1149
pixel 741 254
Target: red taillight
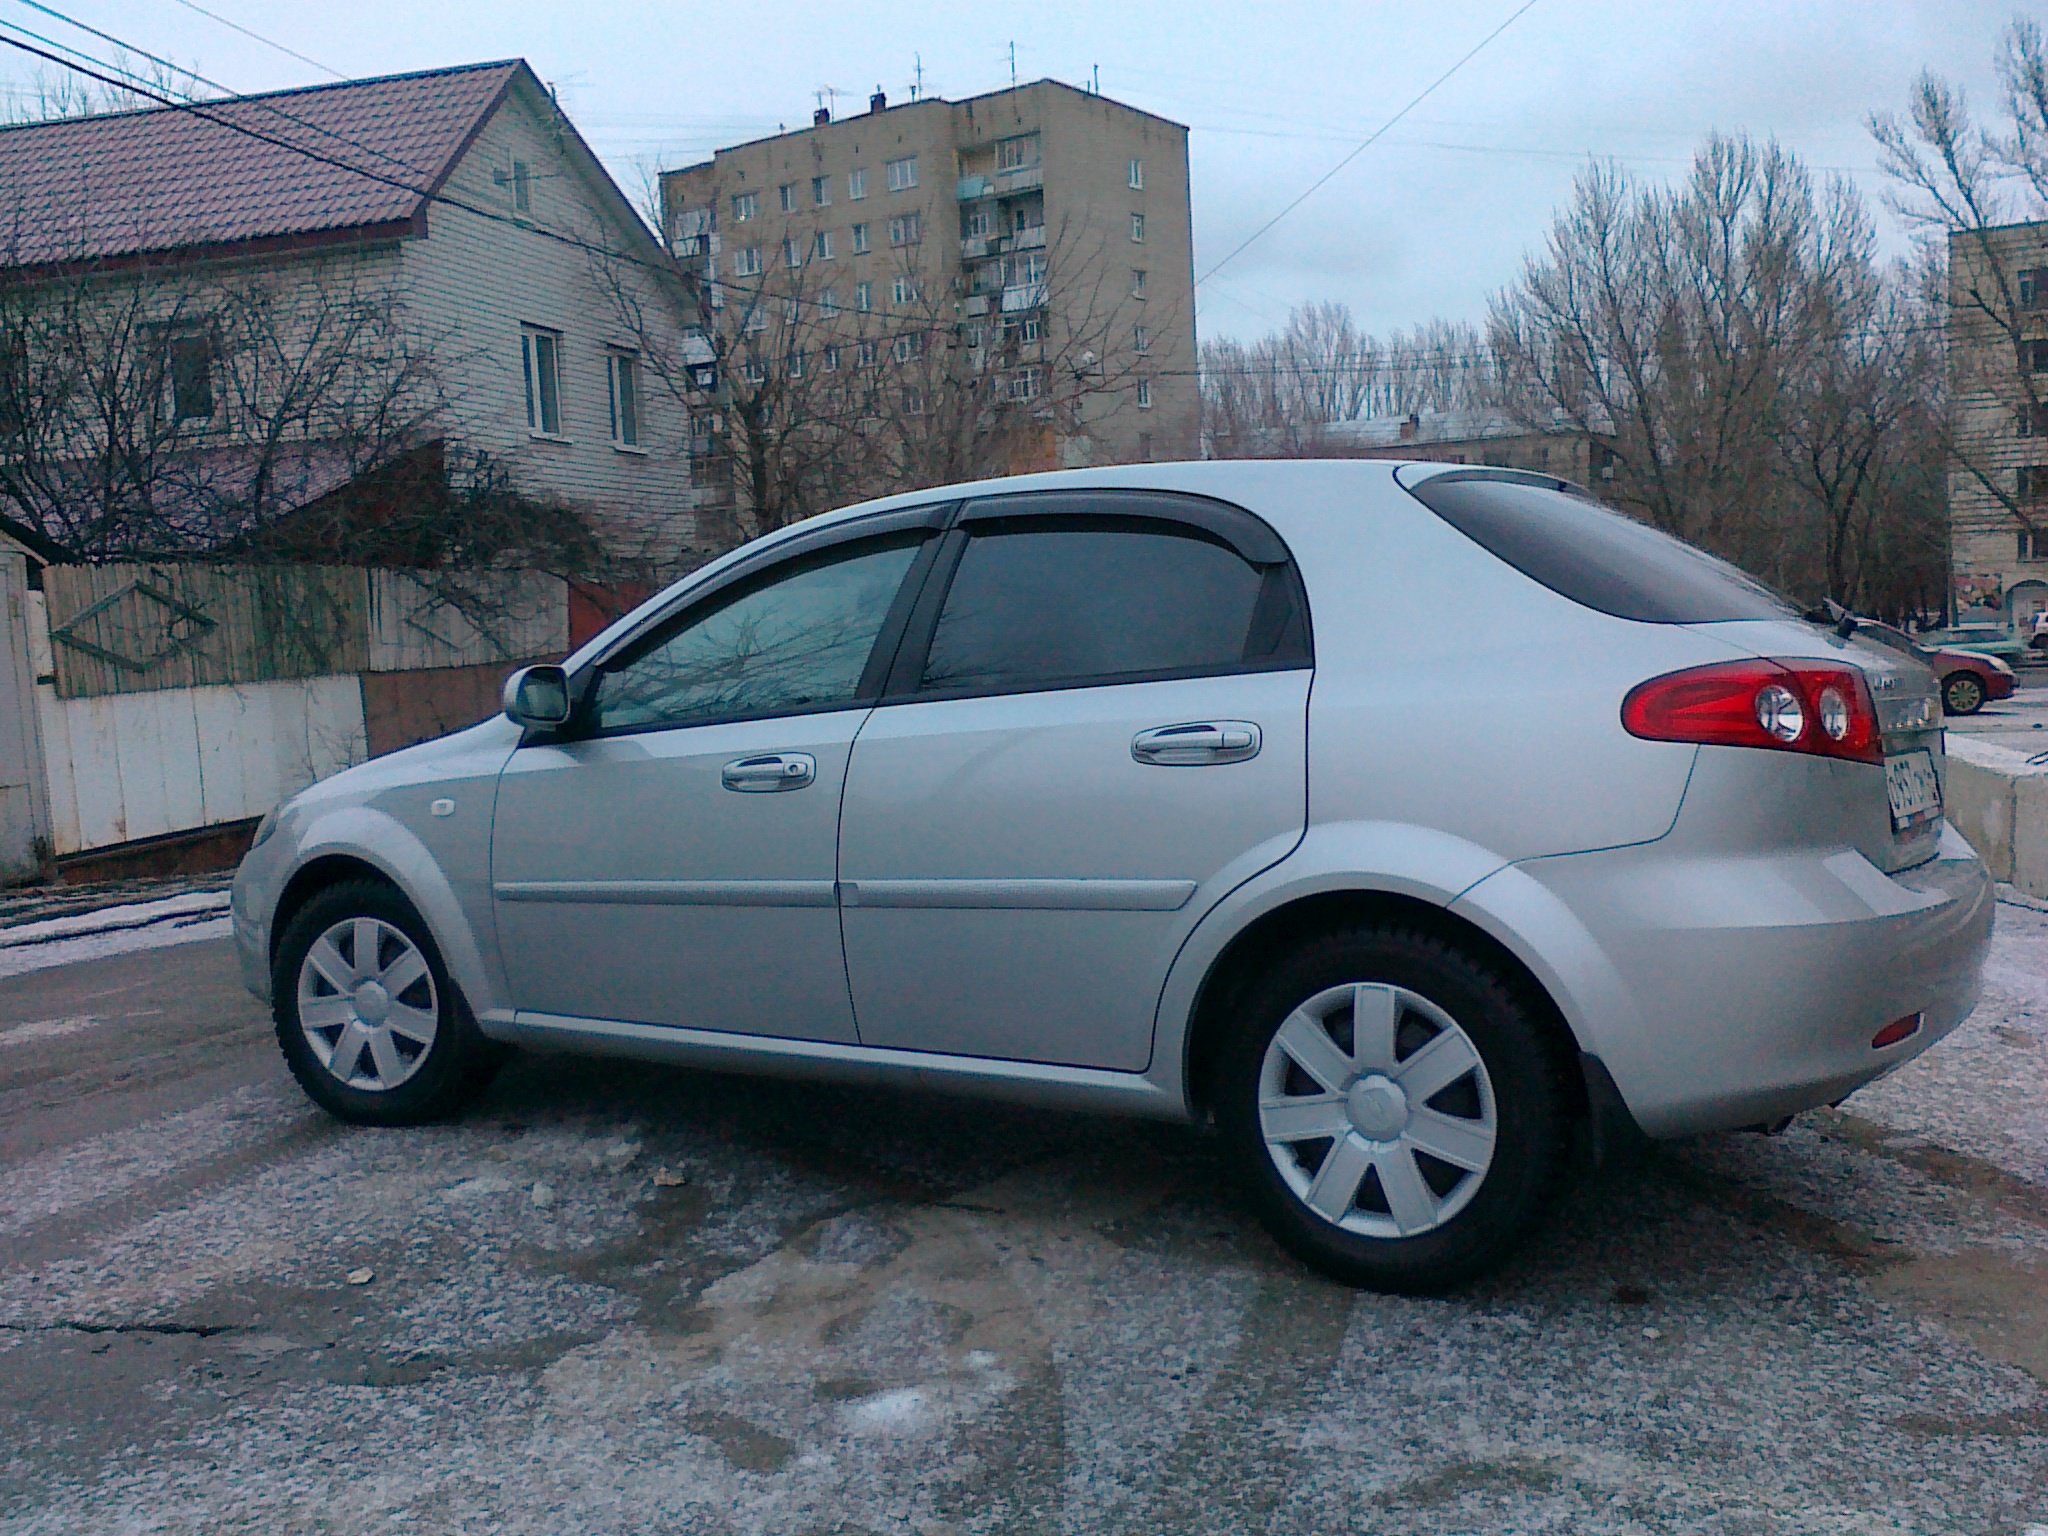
pixel 1791 705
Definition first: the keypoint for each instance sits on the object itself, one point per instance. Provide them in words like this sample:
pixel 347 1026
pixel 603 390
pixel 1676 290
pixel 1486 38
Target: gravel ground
pixel 622 1299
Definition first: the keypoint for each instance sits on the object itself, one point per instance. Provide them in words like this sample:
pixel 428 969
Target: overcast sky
pixel 1428 221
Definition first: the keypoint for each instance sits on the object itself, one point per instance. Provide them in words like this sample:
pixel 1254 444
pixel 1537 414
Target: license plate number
pixel 1915 792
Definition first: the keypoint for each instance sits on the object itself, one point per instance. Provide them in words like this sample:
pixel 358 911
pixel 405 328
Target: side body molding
pixel 1391 858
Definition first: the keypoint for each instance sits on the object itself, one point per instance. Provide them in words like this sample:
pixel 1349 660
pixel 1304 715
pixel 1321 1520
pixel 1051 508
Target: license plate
pixel 1915 792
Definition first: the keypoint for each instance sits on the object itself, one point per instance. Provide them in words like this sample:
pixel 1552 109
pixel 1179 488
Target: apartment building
pixel 1036 240
pixel 1998 389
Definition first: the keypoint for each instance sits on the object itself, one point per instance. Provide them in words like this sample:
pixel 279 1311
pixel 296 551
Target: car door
pixel 670 859
pixel 1096 726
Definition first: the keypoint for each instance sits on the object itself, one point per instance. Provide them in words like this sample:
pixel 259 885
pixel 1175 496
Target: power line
pixel 235 26
pixel 1320 181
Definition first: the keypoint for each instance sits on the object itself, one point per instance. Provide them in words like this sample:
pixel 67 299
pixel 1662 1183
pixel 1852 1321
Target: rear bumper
pixel 1999 686
pixel 1727 991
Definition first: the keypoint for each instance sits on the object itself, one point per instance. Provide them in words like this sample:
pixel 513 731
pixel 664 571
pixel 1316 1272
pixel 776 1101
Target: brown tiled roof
pixel 167 179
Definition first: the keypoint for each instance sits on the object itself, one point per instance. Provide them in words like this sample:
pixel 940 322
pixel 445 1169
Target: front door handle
pixel 1197 744
pixel 769 773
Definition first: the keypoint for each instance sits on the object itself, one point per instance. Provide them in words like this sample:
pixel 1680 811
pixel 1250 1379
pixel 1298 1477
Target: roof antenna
pixel 917 85
pixel 1013 66
pixel 1097 70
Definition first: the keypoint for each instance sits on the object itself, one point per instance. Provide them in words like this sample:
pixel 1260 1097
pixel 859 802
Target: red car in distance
pixel 1968 678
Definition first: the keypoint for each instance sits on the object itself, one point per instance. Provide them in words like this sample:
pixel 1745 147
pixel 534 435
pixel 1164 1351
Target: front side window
pixel 623 373
pixel 903 174
pixel 541 352
pixel 1066 602
pixel 797 642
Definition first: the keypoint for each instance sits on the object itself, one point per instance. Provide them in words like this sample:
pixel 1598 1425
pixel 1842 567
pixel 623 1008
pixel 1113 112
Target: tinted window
pixel 1582 551
pixel 799 641
pixel 1058 603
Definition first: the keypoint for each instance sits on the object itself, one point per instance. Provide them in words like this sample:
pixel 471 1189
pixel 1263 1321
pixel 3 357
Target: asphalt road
pixel 620 1299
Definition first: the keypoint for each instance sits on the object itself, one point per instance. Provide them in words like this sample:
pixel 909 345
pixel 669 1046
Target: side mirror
pixel 538 696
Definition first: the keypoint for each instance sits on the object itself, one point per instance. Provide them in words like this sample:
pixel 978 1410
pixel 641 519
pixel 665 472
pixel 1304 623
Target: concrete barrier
pixel 1998 799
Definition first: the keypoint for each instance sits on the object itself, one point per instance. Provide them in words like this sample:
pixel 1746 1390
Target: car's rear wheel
pixel 367 1018
pixel 1962 693
pixel 1399 1109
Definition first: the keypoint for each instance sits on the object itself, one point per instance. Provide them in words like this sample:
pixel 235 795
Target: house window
pixel 903 174
pixel 860 239
pixel 796 364
pixel 746 261
pixel 1017 154
pixel 2033 544
pixel 1137 282
pixel 1144 394
pixel 792 310
pixel 904 291
pixel 1137 229
pixel 863 297
pixel 821 191
pixel 2032 421
pixel 856 184
pixel 756 374
pixel 864 354
pixel 2034 356
pixel 692 231
pixel 2034 288
pixel 1145 447
pixel 828 302
pixel 906 229
pixel 792 254
pixel 1141 338
pixel 756 321
pixel 913 401
pixel 787 192
pixel 1137 175
pixel 1030 328
pixel 2031 482
pixel 973 336
pixel 522 187
pixel 822 246
pixel 188 368
pixel 830 359
pixel 907 349
pixel 1022 385
pixel 745 206
pixel 541 352
pixel 974 224
pixel 622 372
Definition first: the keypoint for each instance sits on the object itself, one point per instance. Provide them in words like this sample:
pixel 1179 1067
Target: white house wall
pixel 125 766
pixel 479 278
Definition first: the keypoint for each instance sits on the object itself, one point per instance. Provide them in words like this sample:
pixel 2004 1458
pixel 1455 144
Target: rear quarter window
pixel 1595 556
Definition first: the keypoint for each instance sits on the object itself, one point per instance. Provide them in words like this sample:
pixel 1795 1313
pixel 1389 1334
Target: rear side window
pixel 1581 550
pixel 1059 603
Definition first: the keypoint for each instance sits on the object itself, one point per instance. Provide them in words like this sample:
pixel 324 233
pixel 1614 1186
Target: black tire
pixel 1962 693
pixel 443 1077
pixel 1526 1064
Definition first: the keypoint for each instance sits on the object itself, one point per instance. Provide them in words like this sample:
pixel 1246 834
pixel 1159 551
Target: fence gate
pixel 24 804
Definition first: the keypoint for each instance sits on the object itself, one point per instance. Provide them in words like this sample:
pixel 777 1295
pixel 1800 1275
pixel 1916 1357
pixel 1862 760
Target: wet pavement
pixel 622 1299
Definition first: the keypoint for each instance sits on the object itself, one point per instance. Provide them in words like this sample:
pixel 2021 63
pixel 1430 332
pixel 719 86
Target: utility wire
pixel 1317 185
pixel 235 26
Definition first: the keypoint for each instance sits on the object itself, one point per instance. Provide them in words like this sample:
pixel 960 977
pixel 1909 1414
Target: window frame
pixel 1137 175
pixel 200 341
pixel 1186 515
pixel 1137 229
pixel 783 558
pixel 746 207
pixel 530 336
pixel 821 191
pixel 786 195
pixel 901 175
pixel 857 184
pixel 861 243
pixel 622 384
pixel 746 261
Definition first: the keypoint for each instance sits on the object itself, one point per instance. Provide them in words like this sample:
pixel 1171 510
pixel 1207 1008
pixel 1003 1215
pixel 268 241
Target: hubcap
pixel 367 1003
pixel 1377 1110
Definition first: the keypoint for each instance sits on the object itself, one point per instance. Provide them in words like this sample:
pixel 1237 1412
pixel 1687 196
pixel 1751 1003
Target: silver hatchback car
pixel 1403 821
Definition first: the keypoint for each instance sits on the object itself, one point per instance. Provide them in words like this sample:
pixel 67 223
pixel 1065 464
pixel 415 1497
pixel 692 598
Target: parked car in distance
pixel 1967 678
pixel 1986 639
pixel 1021 788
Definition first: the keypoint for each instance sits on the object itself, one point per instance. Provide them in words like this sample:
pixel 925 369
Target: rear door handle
pixel 1197 744
pixel 769 773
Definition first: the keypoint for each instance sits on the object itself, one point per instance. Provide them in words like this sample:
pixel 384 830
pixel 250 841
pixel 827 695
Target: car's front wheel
pixel 1962 693
pixel 1399 1109
pixel 368 1020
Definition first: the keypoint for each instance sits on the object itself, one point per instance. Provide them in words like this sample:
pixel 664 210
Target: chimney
pixel 878 102
pixel 1410 427
pixel 821 117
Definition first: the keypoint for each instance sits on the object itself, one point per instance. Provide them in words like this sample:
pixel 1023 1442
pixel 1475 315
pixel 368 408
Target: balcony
pixel 1023 296
pixel 1026 178
pixel 1032 239
pixel 973 247
pixel 972 188
pixel 974 304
